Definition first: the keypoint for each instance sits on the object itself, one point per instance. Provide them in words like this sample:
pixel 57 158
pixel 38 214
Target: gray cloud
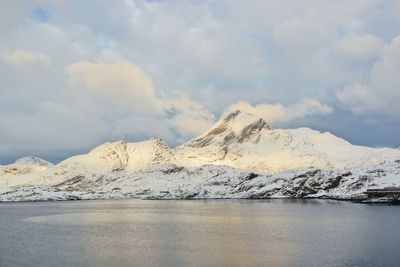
pixel 379 91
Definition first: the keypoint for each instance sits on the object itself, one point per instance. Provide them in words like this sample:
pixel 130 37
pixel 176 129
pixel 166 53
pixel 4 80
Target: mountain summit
pixel 237 126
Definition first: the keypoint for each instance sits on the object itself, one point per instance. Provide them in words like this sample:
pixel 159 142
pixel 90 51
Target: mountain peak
pixel 239 120
pixel 231 116
pixel 237 126
pixel 30 161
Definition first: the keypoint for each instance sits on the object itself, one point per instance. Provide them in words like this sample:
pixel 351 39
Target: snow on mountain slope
pixel 99 165
pixel 121 155
pixel 92 168
pixel 25 165
pixel 33 162
pixel 209 181
pixel 245 141
pixel 23 170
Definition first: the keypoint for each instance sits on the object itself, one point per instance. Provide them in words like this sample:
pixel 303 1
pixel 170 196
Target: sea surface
pixel 199 233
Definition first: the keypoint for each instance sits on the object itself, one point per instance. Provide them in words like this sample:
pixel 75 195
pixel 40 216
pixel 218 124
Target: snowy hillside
pixel 241 156
pixel 121 156
pixel 210 181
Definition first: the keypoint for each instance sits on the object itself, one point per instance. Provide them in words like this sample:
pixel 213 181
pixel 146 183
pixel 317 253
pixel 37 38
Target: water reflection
pixel 200 233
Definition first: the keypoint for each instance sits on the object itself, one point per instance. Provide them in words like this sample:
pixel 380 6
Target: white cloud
pixel 97 102
pixel 23 58
pixel 125 83
pixel 380 91
pixel 130 88
pixel 278 113
pixel 360 47
pixel 308 31
pixel 192 118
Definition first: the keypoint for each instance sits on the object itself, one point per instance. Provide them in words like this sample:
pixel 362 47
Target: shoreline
pixel 355 201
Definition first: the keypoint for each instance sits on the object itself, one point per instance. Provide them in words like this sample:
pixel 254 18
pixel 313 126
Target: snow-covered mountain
pixel 24 166
pixel 245 141
pixel 241 156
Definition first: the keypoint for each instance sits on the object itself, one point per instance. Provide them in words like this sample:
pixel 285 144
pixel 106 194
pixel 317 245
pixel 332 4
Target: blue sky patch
pixel 41 14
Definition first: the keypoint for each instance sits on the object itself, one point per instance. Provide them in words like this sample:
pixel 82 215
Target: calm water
pixel 199 233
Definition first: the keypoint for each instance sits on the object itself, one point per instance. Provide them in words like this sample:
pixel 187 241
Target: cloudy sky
pixel 76 73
